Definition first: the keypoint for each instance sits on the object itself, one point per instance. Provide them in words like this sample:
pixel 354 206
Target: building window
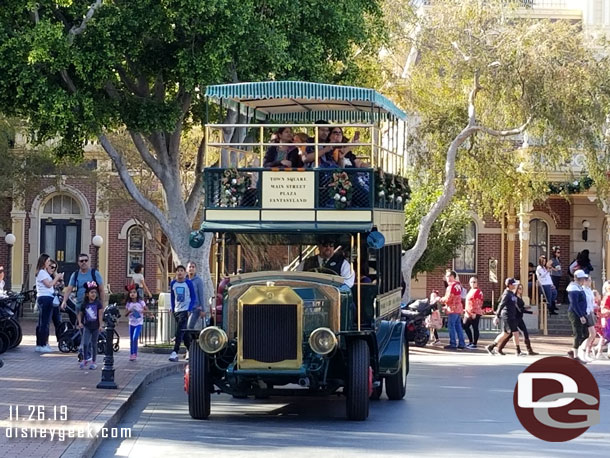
pixel 466 255
pixel 61 205
pixel 539 236
pixel 135 248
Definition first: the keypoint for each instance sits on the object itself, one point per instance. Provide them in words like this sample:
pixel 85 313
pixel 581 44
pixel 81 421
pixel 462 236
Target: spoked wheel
pixel 115 347
pixel 4 342
pixel 421 337
pixel 199 383
pixel 357 403
pixel 101 347
pixel 13 330
pixel 64 344
pixel 396 385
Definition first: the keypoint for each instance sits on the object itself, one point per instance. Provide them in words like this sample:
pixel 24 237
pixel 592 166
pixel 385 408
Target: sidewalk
pixel 54 379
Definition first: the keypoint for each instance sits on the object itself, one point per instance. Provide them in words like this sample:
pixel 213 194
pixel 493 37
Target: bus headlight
pixel 212 339
pixel 322 341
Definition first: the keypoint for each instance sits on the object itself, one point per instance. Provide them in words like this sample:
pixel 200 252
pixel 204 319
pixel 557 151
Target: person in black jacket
pixel 577 314
pixel 507 312
pixel 521 310
pixel 283 155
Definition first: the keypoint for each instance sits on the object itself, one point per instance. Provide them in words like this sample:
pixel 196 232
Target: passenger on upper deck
pixel 283 155
pixel 328 259
pixel 333 156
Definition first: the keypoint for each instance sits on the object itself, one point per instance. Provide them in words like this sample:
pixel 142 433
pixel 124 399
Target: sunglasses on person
pixel 53 267
pixel 82 261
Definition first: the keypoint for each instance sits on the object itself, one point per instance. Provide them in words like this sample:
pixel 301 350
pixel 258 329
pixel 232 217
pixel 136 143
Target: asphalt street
pixel 457 404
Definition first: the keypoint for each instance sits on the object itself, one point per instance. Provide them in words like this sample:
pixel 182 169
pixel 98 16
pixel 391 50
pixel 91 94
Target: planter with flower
pixel 233 186
pixel 341 190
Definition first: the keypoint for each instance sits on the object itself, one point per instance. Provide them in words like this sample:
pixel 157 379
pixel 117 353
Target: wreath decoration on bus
pixel 390 188
pixel 233 187
pixel 341 189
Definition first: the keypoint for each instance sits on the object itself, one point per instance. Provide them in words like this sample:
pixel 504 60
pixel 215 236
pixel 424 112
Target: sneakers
pixel 450 347
pixel 173 357
pixel 46 349
pixel 132 357
pixel 490 349
pixel 84 364
pixel 93 366
pixel 463 347
pixel 437 342
pixel 38 349
pixel 471 346
pixel 186 356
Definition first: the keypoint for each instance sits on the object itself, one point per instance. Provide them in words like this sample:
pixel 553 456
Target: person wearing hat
pixel 577 314
pixel 328 259
pixel 507 313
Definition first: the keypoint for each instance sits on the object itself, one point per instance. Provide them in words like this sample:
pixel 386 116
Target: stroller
pixel 71 337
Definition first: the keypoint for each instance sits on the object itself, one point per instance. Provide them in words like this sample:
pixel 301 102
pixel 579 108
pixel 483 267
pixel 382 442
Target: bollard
pixel 111 315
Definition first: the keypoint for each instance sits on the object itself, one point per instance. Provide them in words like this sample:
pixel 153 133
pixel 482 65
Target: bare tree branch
pixel 81 28
pixel 129 82
pixel 472 118
pixel 68 80
pixel 504 133
pixel 194 199
pixel 131 187
pixel 150 160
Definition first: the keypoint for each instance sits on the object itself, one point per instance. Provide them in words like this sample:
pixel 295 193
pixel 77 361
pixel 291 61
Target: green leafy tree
pixel 446 233
pixel 497 100
pixel 80 69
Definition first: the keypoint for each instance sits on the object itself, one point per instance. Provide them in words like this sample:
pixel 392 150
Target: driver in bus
pixel 329 260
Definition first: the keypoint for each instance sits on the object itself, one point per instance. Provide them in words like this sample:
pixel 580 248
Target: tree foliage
pixel 498 100
pixel 446 234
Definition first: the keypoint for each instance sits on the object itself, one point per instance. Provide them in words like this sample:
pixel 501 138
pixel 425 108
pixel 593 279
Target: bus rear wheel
pixel 396 385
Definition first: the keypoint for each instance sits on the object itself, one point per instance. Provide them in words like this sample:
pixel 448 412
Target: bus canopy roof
pixel 299 101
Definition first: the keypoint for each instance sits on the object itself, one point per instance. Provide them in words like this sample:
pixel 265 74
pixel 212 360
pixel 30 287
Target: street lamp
pixel 97 241
pixel 10 240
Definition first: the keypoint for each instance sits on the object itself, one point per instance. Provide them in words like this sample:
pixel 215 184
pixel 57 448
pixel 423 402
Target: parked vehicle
pixel 10 329
pixel 284 331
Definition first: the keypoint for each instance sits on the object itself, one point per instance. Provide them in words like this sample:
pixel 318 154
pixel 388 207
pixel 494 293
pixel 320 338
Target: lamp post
pixel 10 240
pixel 97 241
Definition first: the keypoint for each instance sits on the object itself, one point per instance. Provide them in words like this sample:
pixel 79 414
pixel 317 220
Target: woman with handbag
pixel 472 313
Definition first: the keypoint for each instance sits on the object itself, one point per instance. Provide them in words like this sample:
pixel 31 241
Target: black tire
pixel 357 380
pixel 115 347
pixel 396 385
pixel 4 342
pixel 421 337
pixel 13 330
pixel 64 344
pixel 101 347
pixel 199 383
pixel 377 391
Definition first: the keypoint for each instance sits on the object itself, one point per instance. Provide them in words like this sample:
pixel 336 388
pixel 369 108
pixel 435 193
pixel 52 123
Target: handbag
pixel 434 320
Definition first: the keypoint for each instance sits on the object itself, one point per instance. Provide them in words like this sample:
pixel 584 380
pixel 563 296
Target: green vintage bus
pixel 290 321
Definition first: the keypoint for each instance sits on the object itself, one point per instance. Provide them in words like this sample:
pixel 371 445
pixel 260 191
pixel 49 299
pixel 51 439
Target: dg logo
pixel 556 399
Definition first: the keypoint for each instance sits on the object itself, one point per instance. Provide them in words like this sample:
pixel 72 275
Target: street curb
pixel 114 411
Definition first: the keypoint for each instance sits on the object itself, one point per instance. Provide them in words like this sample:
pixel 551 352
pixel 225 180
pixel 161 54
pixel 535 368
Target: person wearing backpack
pixel 78 282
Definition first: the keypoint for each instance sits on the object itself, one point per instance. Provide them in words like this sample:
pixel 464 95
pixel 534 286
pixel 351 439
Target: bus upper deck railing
pixel 312 189
pixel 380 146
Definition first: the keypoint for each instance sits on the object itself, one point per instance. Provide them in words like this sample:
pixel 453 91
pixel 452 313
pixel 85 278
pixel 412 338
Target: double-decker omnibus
pixel 314 244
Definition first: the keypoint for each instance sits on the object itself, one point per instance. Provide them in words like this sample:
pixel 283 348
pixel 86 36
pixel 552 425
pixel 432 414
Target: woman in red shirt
pixel 472 313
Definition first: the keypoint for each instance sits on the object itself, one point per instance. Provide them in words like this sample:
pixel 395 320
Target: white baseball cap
pixel 580 274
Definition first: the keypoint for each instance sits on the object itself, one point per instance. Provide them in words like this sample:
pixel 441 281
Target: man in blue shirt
pixel 183 299
pixel 79 279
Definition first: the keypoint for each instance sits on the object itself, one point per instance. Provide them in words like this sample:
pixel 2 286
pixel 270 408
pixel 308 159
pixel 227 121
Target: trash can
pixel 166 325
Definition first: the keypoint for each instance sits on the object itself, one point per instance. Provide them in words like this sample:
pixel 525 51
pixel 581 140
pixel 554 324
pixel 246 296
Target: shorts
pixel 591 319
pixel 509 325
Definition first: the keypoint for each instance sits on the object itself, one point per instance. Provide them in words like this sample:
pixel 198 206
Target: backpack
pixel 93 277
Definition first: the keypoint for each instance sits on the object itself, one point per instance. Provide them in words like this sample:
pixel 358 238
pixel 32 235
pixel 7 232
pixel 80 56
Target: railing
pixel 380 147
pixel 349 189
pixel 158 329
